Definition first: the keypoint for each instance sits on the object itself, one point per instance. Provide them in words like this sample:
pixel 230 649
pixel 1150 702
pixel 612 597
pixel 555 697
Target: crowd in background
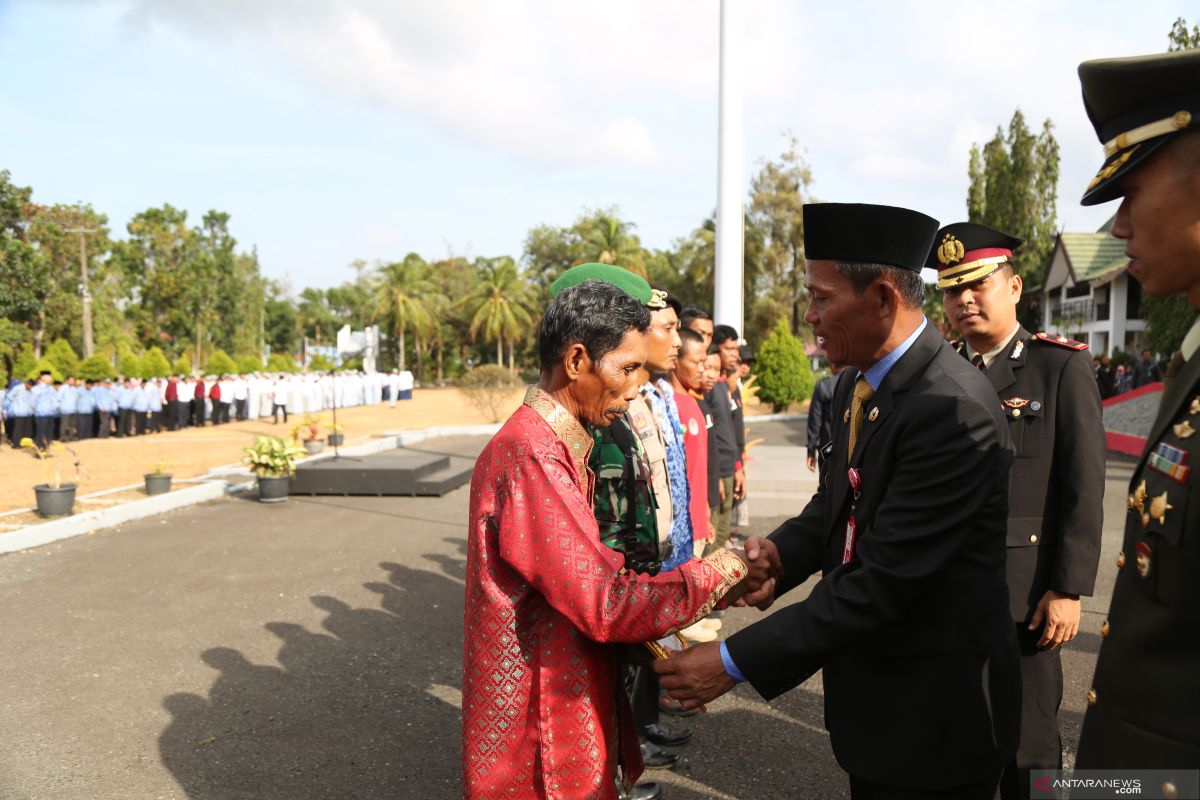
pixel 74 409
pixel 1117 378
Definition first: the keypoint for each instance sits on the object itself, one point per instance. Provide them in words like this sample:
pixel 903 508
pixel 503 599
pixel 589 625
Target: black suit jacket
pixel 1144 709
pixel 1056 492
pixel 820 414
pixel 921 672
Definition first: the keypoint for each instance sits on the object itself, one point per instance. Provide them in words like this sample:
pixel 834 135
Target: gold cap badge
pixel 950 250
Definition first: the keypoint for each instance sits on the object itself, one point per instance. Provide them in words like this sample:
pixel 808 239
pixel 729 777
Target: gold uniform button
pixel 1170 791
pixel 1104 629
pixel 1120 560
pixel 1091 697
pixel 1033 538
pixel 1016 412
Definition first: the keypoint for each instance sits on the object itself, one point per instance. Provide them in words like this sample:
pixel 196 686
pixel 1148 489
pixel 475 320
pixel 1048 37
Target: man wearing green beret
pixel 1144 702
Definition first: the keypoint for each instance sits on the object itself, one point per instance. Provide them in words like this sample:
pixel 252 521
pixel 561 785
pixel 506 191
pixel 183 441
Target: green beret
pixel 633 285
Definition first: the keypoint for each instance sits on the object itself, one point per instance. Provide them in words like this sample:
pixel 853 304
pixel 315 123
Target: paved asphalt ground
pixel 312 650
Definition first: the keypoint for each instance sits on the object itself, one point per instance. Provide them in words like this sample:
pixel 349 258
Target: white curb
pixel 209 488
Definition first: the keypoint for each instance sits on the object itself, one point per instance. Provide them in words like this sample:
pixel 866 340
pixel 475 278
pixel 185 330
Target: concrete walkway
pixel 312 650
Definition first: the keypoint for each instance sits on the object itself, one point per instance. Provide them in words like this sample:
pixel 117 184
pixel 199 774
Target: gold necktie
pixel 862 393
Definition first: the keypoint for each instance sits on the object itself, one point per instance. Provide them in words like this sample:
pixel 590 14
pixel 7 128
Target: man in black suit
pixel 820 417
pixel 1055 516
pixel 910 622
pixel 1144 704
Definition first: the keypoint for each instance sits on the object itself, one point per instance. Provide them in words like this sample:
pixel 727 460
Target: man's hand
pixel 763 567
pixel 812 463
pixel 712 534
pixel 1060 612
pixel 694 676
pixel 739 484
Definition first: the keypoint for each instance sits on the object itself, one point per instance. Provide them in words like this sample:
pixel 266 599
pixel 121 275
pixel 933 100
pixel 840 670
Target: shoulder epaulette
pixel 1061 341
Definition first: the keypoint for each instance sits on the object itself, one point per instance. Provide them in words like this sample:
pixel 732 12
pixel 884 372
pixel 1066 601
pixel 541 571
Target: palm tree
pixel 609 240
pixel 502 305
pixel 402 297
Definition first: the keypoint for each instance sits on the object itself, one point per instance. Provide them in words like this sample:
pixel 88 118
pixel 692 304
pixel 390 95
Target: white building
pixel 1088 294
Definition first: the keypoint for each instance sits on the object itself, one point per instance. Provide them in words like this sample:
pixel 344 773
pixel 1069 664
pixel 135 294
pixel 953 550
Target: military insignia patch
pixel 1137 500
pixel 1170 461
pixel 1159 508
pixel 1059 340
pixel 951 250
pixel 1195 407
pixel 1143 559
pixel 1018 348
pixel 1183 429
pixel 1015 402
pixel 874 415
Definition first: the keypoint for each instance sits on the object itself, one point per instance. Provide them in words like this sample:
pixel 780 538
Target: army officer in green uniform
pixel 1144 702
pixel 1046 391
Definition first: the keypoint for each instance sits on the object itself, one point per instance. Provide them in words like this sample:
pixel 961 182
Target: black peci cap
pixel 965 252
pixel 868 234
pixel 1137 105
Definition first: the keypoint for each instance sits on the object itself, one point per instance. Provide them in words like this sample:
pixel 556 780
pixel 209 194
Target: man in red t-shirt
pixel 688 379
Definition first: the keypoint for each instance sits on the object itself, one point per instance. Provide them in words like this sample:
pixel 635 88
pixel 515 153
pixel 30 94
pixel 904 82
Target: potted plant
pixel 158 480
pixel 306 432
pixel 335 437
pixel 54 498
pixel 273 460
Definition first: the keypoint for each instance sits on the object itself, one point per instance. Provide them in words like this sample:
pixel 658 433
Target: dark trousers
pixel 83 424
pixel 172 410
pixel 125 422
pixel 17 429
pixel 224 411
pixel 861 789
pixel 280 408
pixel 67 431
pixel 198 413
pixel 139 422
pixel 43 431
pixel 103 424
pixel 156 423
pixel 243 407
pixel 183 410
pixel 644 698
pixel 1041 695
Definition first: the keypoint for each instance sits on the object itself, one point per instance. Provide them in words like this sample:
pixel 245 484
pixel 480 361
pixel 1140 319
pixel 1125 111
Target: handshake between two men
pixel 697 675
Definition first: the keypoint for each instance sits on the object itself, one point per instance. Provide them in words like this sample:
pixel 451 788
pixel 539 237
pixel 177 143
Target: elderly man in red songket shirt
pixel 547 604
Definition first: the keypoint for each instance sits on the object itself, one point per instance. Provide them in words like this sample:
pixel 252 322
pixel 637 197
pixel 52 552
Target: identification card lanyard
pixel 856 485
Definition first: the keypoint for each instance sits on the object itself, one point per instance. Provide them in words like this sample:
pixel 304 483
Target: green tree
pixel 46 365
pixel 63 357
pixel 278 362
pixel 155 364
pixel 24 280
pixel 1180 38
pixel 500 305
pixel 1014 179
pixel 784 373
pixel 319 363
pixel 95 367
pixel 607 239
pixel 182 366
pixel 399 300
pixel 778 192
pixel 129 364
pixel 219 363
pixel 25 364
pixel 248 362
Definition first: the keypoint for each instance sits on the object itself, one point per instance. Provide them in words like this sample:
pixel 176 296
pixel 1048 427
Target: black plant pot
pixel 157 484
pixel 53 502
pixel 273 490
pixel 336 439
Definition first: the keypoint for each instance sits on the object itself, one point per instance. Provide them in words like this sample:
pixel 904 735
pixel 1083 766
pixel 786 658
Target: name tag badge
pixel 855 478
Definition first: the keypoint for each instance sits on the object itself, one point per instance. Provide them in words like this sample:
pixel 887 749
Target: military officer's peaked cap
pixel 1137 105
pixel 965 252
pixel 631 284
pixel 859 233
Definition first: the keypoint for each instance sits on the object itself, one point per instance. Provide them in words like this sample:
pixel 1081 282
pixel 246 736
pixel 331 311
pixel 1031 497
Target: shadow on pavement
pixel 366 709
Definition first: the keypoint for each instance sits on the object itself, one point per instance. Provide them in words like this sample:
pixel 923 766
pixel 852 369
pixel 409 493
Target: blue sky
pixel 365 129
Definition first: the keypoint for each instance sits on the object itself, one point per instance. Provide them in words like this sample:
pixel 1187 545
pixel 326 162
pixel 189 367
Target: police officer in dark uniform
pixel 1144 703
pixel 1056 486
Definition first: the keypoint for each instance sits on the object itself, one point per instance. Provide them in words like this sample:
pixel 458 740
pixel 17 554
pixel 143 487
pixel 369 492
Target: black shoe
pixel 644 791
pixel 666 736
pixel 654 757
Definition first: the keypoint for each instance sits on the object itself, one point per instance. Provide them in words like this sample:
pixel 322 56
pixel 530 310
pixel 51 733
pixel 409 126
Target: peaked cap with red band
pixel 965 252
